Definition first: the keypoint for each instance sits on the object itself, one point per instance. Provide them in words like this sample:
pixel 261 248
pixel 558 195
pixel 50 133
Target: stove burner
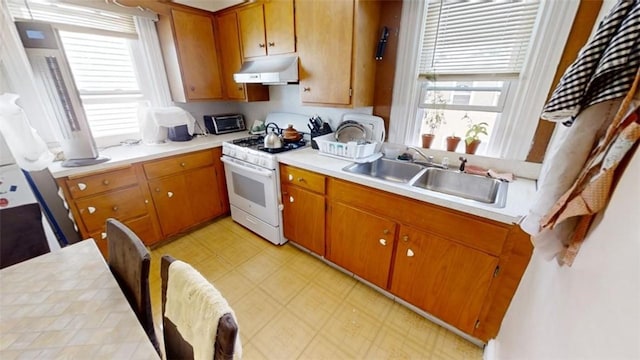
pixel 250 141
pixel 286 147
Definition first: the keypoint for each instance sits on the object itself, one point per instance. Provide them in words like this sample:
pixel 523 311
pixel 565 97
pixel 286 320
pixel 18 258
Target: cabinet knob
pixel 410 253
pixel 115 208
pixel 146 201
pixel 290 177
pixel 103 235
pixel 240 88
pixel 290 199
pixel 405 238
pixel 157 190
pixel 383 242
pixel 271 44
pixel 260 45
pixel 82 186
pixel 105 182
pixel 301 179
pixel 193 88
pixel 183 164
pixel 385 231
pixel 169 194
pixel 306 89
pixel 91 209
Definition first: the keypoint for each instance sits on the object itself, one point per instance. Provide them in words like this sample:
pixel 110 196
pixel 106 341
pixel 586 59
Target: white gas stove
pixel 253 178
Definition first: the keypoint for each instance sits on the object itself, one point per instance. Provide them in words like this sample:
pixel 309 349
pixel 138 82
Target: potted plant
pixel 452 142
pixel 434 119
pixel 472 138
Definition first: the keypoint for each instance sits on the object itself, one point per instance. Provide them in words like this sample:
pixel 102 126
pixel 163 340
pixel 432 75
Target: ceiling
pixel 210 5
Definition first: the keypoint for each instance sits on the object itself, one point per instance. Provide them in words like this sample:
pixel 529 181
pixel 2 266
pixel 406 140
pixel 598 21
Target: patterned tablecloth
pixel 67 304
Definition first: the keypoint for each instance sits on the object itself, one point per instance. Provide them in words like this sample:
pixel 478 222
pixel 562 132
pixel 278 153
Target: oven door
pixel 252 189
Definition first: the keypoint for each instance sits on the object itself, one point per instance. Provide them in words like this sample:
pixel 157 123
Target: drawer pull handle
pixel 306 89
pixel 183 164
pixel 91 209
pixel 290 199
pixel 290 177
pixel 115 208
pixel 260 45
pixel 169 194
pixel 410 253
pixel 105 182
pixel 405 238
pixel 82 186
pixel 385 231
pixel 301 180
pixel 271 43
pixel 103 235
pixel 240 88
pixel 383 242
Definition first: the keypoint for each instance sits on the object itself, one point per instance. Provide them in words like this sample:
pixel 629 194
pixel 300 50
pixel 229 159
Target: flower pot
pixel 471 147
pixel 427 139
pixel 452 142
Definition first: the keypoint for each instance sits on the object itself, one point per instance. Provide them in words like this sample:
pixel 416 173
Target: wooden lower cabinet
pixel 360 242
pixel 442 277
pixel 303 215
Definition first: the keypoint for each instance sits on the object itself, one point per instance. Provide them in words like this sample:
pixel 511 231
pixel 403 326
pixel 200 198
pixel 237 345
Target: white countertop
pixel 516 206
pixel 127 154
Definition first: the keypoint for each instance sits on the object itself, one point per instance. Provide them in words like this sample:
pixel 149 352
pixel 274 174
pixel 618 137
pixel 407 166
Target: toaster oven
pixel 224 123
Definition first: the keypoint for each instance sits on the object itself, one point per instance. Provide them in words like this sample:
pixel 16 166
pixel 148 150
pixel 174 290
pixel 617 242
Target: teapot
pixel 273 140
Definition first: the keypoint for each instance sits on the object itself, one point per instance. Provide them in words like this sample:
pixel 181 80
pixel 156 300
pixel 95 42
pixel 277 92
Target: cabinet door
pixel 304 218
pixel 325 30
pixel 204 200
pixel 230 57
pixel 196 47
pixel 360 242
pixel 446 279
pixel 279 25
pixel 171 198
pixel 251 22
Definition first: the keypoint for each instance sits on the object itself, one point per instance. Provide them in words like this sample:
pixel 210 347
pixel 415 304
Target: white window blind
pixel 476 38
pixel 68 14
pixel 104 75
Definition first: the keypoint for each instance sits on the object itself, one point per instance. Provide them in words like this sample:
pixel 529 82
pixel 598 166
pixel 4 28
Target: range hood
pixel 269 71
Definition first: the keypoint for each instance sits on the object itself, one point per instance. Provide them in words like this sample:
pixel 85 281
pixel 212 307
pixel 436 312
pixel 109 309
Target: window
pixel 104 75
pixel 470 60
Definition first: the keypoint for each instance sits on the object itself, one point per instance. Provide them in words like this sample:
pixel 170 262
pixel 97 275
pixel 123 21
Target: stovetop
pixel 256 142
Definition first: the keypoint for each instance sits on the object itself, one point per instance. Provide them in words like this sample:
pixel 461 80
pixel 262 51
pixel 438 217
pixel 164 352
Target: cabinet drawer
pixel 303 178
pixel 94 184
pixel 122 205
pixel 176 164
pixel 468 229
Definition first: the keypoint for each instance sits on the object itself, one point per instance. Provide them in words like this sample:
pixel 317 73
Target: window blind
pixel 68 14
pixel 104 75
pixel 476 38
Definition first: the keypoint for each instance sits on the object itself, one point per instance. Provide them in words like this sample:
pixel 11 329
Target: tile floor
pixel 290 305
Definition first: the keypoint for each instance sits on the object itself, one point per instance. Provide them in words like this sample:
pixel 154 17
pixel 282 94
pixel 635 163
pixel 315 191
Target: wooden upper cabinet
pixel 267 29
pixel 190 54
pixel 230 55
pixel 336 42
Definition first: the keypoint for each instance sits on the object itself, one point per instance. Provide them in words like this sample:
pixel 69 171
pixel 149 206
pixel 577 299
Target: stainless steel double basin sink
pixel 481 189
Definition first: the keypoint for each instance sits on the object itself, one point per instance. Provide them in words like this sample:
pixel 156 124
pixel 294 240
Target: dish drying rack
pixel 351 150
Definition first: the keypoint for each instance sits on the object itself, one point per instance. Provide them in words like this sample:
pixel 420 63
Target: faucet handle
pixel 430 158
pixel 463 161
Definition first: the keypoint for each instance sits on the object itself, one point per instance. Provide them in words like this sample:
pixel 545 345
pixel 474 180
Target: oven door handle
pixel 260 172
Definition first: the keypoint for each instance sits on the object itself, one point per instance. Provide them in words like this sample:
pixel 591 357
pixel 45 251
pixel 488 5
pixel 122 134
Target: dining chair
pixel 176 347
pixel 22 236
pixel 129 261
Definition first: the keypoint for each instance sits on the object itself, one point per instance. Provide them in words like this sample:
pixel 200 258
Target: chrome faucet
pixel 429 159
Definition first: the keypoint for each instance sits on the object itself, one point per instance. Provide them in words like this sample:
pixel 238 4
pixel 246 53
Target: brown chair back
pixel 174 344
pixel 129 261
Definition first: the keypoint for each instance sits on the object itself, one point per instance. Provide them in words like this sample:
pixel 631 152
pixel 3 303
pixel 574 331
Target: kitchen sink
pixel 386 169
pixel 473 187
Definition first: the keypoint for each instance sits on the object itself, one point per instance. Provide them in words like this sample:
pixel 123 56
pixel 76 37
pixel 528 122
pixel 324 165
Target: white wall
pixel 592 309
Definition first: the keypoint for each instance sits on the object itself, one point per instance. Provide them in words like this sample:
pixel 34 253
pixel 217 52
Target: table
pixel 67 304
